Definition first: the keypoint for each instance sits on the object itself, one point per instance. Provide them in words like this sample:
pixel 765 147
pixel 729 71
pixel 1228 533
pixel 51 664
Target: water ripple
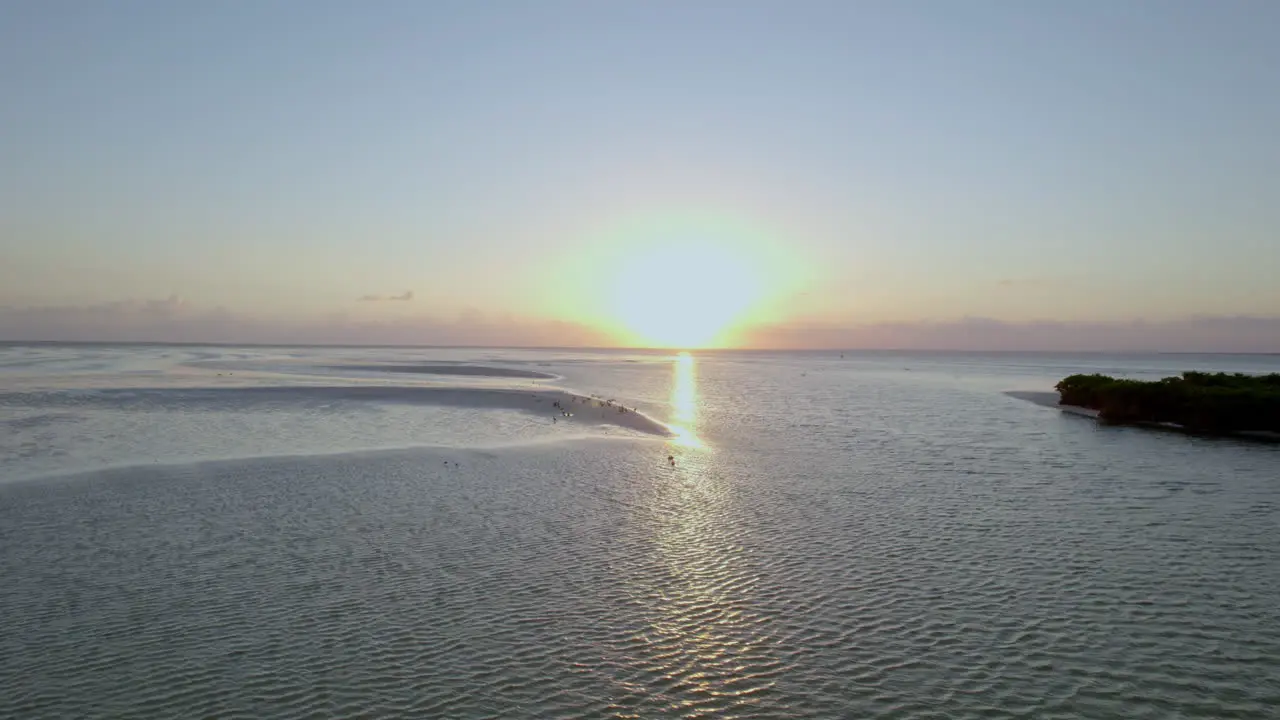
pixel 901 561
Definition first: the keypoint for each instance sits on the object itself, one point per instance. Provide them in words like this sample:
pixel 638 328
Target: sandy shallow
pixel 1050 399
pixel 555 405
pixel 53 422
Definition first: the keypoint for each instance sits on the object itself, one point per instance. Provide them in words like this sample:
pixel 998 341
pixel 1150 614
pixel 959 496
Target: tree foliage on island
pixel 1204 402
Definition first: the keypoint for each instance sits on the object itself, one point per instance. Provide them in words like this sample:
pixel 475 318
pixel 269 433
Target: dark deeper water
pixel 861 540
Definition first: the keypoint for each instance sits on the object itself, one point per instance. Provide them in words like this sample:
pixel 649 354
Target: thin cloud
pixel 405 296
pixel 1022 282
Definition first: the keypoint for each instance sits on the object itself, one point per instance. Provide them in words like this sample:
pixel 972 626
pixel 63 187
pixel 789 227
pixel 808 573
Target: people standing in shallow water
pixel 671 459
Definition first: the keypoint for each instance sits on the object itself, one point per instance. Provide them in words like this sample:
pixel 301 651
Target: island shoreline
pixel 1050 399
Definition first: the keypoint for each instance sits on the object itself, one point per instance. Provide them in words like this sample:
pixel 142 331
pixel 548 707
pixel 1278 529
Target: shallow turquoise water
pixel 877 535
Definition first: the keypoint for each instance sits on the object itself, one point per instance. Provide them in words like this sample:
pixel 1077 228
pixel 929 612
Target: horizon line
pixel 620 348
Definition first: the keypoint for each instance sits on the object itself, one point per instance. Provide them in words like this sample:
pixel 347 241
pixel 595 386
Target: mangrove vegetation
pixel 1197 401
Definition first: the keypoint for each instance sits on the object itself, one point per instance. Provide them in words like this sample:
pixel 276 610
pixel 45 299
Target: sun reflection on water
pixel 703 637
pixel 684 401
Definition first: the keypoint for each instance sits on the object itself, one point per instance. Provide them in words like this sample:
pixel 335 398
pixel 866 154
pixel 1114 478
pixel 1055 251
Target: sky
pixel 956 174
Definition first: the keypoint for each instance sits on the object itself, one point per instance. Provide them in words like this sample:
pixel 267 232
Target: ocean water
pixel 337 532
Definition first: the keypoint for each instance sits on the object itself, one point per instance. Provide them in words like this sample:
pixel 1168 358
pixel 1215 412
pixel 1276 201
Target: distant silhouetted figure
pixel 671 459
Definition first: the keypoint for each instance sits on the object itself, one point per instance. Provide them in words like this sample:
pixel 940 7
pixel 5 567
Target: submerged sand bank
pixel 554 405
pixel 1050 399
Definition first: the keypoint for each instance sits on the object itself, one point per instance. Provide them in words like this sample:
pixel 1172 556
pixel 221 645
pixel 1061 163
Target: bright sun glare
pixel 682 297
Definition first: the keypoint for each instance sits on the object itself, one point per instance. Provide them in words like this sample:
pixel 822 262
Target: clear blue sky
pixel 908 161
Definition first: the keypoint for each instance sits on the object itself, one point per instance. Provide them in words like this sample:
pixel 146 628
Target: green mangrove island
pixel 1214 403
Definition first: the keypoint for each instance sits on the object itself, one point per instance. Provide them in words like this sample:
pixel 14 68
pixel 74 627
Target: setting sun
pixel 672 280
pixel 682 296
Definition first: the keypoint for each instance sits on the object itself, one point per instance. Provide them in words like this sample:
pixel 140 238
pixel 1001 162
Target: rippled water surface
pixel 250 532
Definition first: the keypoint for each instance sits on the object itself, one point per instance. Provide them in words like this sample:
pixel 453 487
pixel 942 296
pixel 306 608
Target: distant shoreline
pixel 458 369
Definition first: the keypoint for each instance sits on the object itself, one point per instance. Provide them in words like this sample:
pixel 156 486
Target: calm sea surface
pixel 290 533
